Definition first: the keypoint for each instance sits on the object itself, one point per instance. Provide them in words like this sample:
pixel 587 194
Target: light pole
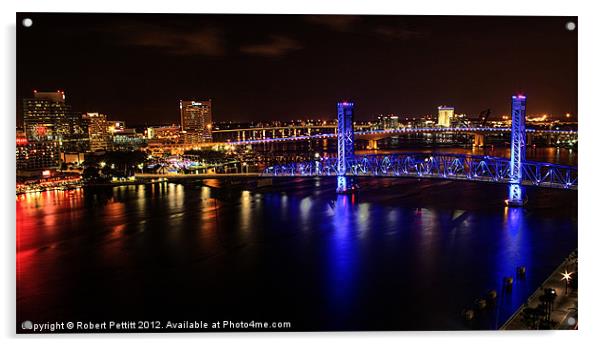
pixel 566 277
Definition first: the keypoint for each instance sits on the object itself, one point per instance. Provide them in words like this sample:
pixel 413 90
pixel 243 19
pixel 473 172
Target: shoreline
pixel 563 306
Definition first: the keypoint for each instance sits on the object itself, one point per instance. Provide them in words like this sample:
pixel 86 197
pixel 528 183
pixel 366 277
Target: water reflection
pixel 342 255
pixel 245 210
pixel 399 255
pixel 515 251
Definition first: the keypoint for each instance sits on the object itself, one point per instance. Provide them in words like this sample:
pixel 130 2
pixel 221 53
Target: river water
pixel 402 254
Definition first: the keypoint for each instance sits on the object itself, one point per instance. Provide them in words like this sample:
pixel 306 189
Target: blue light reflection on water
pixel 342 276
pixel 381 259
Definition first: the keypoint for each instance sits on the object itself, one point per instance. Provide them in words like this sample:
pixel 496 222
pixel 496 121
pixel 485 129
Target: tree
pixel 531 317
pixel 547 301
pixel 90 173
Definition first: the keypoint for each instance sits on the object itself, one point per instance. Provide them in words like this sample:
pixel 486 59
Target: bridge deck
pixel 435 165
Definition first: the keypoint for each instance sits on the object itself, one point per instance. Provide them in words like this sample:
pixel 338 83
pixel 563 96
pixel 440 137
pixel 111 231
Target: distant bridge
pixel 379 134
pixel 370 135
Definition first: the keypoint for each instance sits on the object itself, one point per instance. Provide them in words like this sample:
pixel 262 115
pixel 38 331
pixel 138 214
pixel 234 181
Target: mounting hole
pixel 27 22
pixel 570 26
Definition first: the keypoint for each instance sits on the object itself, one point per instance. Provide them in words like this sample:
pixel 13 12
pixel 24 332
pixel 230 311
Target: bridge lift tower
pixel 518 140
pixel 345 151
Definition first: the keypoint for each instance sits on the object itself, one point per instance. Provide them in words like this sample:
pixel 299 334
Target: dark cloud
pixel 397 33
pixel 277 46
pixel 204 40
pixel 117 63
pixel 338 23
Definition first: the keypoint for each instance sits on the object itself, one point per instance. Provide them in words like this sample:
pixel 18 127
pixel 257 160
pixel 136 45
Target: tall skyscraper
pixel 196 120
pixel 445 116
pixel 98 131
pixel 46 116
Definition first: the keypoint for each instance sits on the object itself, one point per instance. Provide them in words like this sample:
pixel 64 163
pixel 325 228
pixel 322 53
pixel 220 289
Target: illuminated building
pixel 72 158
pixel 160 140
pixel 169 134
pixel 98 131
pixel 77 139
pixel 388 122
pixel 445 115
pixel 459 120
pixel 116 126
pixel 196 121
pixel 33 156
pixel 45 116
pixel 128 139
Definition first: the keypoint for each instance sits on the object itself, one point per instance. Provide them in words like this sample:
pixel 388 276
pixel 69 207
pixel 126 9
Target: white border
pixel 589 29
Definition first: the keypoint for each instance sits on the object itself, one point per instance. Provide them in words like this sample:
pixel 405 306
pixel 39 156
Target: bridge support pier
pixel 345 150
pixel 372 144
pixel 479 140
pixel 518 139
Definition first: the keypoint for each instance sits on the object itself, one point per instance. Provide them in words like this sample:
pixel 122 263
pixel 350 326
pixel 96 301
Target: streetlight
pixel 566 276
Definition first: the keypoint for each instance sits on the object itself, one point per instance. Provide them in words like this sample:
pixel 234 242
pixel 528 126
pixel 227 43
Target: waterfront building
pixel 196 121
pixel 167 134
pixel 77 139
pixel 46 116
pixel 446 114
pixel 459 120
pixel 76 158
pixel 36 156
pixel 388 122
pixel 116 126
pixel 98 131
pixel 128 140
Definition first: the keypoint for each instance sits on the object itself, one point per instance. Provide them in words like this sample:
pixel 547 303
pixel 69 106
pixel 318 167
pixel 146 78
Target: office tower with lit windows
pixel 98 131
pixel 445 116
pixel 46 116
pixel 77 138
pixel 196 121
pixel 116 126
pixel 32 156
pixel 388 122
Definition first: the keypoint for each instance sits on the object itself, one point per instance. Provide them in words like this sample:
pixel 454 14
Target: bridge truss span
pixel 435 165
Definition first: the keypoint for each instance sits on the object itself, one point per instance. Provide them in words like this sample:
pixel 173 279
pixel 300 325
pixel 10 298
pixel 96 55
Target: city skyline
pixel 377 117
pixel 289 64
pixel 304 172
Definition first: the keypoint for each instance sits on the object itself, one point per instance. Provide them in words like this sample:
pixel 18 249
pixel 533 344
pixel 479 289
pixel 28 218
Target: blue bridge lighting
pixel 516 171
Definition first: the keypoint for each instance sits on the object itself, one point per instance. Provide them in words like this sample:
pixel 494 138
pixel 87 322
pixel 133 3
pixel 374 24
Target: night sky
pixel 136 67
